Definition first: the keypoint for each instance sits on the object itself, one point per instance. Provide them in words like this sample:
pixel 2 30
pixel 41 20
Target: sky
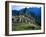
pixel 17 7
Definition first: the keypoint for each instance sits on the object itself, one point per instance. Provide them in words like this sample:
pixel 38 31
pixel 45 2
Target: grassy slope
pixel 24 26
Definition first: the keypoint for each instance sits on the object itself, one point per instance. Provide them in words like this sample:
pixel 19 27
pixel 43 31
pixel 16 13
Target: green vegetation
pixel 24 26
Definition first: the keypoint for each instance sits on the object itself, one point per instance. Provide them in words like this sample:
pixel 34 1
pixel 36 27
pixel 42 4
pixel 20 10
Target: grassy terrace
pixel 24 26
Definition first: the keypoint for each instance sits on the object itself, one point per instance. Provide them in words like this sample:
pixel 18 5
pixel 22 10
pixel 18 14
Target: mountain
pixel 28 11
pixel 16 12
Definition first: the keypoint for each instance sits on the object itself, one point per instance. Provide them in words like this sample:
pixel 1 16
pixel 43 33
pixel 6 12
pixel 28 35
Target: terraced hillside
pixel 24 23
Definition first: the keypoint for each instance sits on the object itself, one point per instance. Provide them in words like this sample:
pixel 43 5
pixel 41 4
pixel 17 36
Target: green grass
pixel 24 26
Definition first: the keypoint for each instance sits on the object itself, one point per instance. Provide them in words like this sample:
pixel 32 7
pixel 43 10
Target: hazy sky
pixel 17 7
pixel 14 7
